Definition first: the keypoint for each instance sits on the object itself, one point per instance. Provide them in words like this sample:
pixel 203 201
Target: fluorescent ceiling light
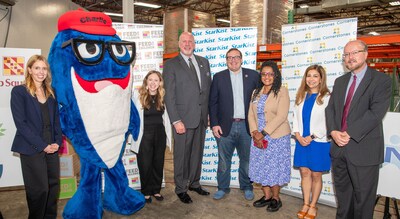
pixel 373 33
pixel 396 3
pixel 304 6
pixel 223 20
pixel 147 5
pixel 113 14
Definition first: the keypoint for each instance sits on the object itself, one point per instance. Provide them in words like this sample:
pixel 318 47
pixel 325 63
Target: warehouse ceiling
pixel 373 15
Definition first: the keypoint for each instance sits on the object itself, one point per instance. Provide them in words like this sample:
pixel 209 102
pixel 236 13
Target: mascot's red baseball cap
pixel 90 22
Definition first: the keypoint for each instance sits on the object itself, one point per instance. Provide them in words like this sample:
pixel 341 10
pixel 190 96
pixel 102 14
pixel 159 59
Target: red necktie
pixel 348 102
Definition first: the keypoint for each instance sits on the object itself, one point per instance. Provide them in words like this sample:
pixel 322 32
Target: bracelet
pixel 263 132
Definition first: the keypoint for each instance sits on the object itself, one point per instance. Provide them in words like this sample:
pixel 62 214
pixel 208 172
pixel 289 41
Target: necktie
pixel 348 102
pixel 193 70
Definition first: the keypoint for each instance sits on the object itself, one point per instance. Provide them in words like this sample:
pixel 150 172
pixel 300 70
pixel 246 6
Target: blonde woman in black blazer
pixel 38 137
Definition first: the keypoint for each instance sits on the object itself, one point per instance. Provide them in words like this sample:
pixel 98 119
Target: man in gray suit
pixel 187 79
pixel 358 103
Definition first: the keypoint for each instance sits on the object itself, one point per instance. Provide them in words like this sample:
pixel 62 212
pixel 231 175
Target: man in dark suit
pixel 354 116
pixel 230 96
pixel 187 81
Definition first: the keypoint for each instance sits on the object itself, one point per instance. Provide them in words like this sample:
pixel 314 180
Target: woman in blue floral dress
pixel 270 148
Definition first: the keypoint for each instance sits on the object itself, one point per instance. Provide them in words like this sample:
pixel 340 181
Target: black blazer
pixel 221 98
pixel 28 121
pixel 368 107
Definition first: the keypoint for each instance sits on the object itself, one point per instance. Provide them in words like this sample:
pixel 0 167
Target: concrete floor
pixel 13 204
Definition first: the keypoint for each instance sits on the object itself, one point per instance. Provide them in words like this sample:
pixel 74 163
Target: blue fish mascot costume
pixel 91 75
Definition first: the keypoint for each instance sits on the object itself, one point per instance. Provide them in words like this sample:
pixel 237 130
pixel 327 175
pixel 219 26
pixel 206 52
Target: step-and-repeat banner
pixel 308 44
pixel 149 56
pixel 149 47
pixel 13 64
pixel 213 43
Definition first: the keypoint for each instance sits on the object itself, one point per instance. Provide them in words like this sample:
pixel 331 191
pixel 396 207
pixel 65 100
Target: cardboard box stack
pixel 69 169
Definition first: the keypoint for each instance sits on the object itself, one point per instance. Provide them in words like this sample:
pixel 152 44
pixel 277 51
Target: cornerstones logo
pixel 283 40
pixel 308 35
pixel 297 72
pixel 295 49
pixel 283 62
pixel 285 85
pixel 336 30
pixel 309 59
pixel 338 56
pixel 322 45
pixel 327 189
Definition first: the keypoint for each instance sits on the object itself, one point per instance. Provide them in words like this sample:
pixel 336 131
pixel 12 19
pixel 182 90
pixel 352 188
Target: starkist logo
pixel 93 19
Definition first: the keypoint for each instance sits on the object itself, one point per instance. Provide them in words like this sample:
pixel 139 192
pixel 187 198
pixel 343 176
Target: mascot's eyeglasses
pixel 91 52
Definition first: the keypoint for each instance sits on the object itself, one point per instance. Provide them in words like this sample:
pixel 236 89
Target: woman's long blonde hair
pixel 145 97
pixel 30 84
pixel 303 89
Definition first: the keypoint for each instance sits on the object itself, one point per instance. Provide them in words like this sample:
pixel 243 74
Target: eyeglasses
pixel 268 74
pixel 229 58
pixel 353 53
pixel 91 52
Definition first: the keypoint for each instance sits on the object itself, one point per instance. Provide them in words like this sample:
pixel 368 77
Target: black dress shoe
pixel 274 205
pixel 148 200
pixel 185 198
pixel 262 202
pixel 159 197
pixel 200 191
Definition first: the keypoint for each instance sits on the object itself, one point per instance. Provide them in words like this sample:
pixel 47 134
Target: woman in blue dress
pixel 311 155
pixel 269 127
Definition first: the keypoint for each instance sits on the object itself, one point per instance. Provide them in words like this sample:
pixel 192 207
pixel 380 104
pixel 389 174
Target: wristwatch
pixel 263 133
pixel 312 136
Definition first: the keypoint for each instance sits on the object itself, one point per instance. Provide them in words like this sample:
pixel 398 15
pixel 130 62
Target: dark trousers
pixel 188 156
pixel 355 188
pixel 41 174
pixel 151 159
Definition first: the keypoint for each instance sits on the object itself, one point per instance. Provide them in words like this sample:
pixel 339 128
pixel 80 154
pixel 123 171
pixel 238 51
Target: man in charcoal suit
pixel 187 79
pixel 358 103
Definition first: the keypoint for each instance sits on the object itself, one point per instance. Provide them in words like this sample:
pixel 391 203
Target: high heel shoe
pixel 311 216
pixel 301 213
